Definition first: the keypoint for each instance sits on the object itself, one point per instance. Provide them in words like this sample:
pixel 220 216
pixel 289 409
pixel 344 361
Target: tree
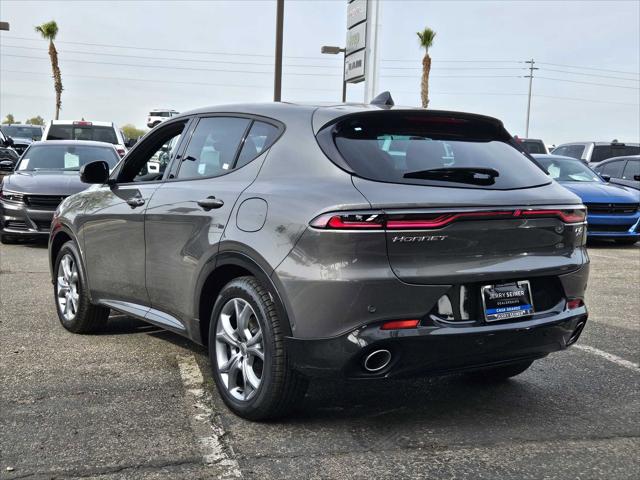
pixel 9 119
pixel 49 31
pixel 426 41
pixel 130 131
pixel 38 120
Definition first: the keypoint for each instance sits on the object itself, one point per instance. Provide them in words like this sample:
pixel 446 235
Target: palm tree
pixel 49 31
pixel 426 41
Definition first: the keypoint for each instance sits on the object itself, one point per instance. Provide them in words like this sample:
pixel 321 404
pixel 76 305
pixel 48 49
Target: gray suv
pixel 351 241
pixel 594 152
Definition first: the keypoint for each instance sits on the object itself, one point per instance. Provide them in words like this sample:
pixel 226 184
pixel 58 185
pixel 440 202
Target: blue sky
pixel 191 54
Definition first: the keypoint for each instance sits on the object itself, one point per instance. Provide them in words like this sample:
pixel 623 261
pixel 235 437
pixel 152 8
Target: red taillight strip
pixel 375 220
pixel 399 324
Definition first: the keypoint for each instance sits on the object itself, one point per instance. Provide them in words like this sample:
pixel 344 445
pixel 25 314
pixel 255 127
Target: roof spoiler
pixel 383 99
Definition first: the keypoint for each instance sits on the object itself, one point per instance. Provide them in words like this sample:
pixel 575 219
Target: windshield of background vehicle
pixel 399 147
pixel 65 157
pixel 88 132
pixel 22 131
pixel 565 170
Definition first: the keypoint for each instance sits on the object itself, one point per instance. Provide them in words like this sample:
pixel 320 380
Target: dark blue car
pixel 613 210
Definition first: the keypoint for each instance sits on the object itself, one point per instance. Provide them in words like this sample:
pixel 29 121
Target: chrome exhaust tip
pixel 377 360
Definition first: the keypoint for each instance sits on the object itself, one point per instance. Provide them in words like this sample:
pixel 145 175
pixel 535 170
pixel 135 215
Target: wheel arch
pixel 227 266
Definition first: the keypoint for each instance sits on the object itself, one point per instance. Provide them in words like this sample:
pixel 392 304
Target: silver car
pixel 346 241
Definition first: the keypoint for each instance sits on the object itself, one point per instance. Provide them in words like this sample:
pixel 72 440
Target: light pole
pixel 277 80
pixel 335 51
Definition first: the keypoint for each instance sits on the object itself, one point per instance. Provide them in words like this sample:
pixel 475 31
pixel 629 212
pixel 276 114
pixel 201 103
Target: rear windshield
pixel 159 114
pixel 85 132
pixel 421 149
pixel 65 157
pixel 602 152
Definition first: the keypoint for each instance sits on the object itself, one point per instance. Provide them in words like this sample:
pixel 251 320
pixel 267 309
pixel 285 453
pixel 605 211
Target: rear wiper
pixel 475 176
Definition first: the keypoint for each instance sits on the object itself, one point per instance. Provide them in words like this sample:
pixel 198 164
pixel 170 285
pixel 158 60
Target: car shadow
pixel 599 244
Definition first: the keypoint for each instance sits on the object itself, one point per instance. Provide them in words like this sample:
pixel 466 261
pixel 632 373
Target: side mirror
pixel 8 142
pixel 130 142
pixel 606 178
pixel 95 172
pixel 6 166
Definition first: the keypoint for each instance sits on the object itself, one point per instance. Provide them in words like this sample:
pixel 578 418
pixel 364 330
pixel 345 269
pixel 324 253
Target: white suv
pixel 159 115
pixel 83 130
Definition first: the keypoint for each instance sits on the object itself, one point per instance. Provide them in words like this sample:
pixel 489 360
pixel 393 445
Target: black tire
pixel 626 241
pixel 281 388
pixel 499 374
pixel 88 318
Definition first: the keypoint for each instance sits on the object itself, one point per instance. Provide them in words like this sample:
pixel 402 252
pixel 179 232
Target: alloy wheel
pixel 67 287
pixel 239 349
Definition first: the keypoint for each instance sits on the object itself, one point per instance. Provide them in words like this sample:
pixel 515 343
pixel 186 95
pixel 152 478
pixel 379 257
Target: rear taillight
pixel 399 324
pixel 378 220
pixel 574 303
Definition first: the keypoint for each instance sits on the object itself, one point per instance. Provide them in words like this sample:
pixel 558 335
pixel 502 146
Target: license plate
pixel 507 300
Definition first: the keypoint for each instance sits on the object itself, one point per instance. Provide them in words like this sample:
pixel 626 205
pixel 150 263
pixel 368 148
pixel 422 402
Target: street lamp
pixel 335 51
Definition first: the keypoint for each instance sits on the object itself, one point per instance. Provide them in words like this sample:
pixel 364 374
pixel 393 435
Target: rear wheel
pixel 626 241
pixel 75 311
pixel 247 352
pixel 498 374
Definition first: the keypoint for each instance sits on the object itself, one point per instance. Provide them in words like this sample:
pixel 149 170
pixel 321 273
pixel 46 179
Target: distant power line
pixel 589 83
pixel 590 74
pixel 173 67
pixel 173 59
pixel 589 68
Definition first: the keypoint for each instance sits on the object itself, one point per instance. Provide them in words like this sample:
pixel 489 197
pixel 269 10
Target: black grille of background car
pixel 14 225
pixel 50 202
pixel 612 208
pixel 608 228
pixel 43 225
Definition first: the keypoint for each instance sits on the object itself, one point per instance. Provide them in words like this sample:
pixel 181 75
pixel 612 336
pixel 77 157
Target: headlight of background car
pixel 10 196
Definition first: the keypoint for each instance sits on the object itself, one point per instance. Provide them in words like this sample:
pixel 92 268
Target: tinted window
pixel 407 148
pixel 631 170
pixel 533 146
pixel 261 136
pixel 89 132
pixel 65 157
pixel 602 152
pixel 613 169
pixel 160 114
pixel 21 131
pixel 213 146
pixel 565 170
pixel 573 151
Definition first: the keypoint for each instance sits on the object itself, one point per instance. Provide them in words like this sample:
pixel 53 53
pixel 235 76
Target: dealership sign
pixel 356 45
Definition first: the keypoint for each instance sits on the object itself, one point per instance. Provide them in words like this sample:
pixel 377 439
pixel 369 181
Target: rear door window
pixel 421 149
pixel 631 170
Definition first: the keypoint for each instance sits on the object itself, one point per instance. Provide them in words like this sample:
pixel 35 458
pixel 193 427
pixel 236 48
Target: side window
pixel 213 146
pixel 613 169
pixel 261 137
pixel 560 151
pixel 631 170
pixel 574 151
pixel 149 160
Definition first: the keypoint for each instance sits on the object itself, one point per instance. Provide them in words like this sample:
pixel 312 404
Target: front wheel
pixel 247 352
pixel 75 311
pixel 499 374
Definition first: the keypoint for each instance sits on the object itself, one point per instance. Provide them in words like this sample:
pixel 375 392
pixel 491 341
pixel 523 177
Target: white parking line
pixel 611 357
pixel 208 434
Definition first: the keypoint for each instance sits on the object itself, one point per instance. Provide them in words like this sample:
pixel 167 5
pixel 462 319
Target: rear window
pixel 632 170
pixel 159 114
pixel 602 152
pixel 88 132
pixel 424 149
pixel 533 146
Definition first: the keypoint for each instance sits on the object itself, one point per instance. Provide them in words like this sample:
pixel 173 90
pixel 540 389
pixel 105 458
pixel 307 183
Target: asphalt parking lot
pixel 137 402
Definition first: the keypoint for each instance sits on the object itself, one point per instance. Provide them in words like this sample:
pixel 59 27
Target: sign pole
pixel 277 81
pixel 371 64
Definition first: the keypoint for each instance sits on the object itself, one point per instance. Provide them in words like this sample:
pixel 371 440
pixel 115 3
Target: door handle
pixel 135 202
pixel 210 202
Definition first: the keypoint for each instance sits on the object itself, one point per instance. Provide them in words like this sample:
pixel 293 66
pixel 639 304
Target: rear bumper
pixel 436 349
pixel 17 219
